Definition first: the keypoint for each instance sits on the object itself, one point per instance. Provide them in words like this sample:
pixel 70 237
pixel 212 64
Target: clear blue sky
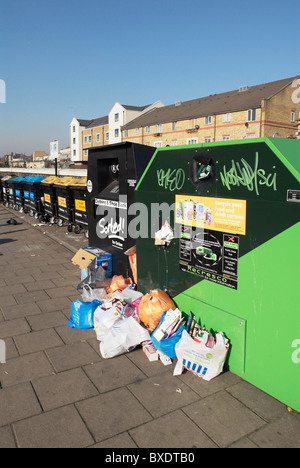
pixel 66 58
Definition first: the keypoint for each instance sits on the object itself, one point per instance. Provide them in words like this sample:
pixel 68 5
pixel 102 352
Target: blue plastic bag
pixel 167 345
pixel 82 314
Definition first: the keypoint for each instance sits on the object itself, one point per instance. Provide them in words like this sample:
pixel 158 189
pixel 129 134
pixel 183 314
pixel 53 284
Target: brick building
pixel 249 112
pixel 95 134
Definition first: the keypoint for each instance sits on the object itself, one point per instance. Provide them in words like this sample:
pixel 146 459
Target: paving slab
pixel 25 369
pixel 60 428
pixel 218 414
pixel 64 388
pixel 112 413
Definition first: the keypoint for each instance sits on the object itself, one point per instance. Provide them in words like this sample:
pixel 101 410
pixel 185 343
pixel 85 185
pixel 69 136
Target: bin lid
pixel 11 179
pixel 65 181
pixel 80 182
pixel 4 179
pixel 33 179
pixel 20 179
pixel 50 180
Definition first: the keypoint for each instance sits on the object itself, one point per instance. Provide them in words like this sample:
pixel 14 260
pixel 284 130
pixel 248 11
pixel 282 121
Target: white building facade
pixel 122 114
pixel 76 128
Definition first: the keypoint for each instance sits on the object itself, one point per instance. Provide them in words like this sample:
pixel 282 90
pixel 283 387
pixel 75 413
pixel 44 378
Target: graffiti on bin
pixel 252 178
pixel 171 179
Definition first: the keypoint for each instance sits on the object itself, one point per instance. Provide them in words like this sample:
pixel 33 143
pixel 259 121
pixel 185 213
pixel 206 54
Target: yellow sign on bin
pixel 218 214
pixel 80 205
pixel 62 202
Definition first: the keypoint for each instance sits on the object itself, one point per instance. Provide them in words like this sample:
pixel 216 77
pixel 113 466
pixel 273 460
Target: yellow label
pixel 47 198
pixel 80 205
pixel 217 214
pixel 62 202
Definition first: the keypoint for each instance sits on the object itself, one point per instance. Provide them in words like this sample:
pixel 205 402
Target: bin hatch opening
pixel 202 171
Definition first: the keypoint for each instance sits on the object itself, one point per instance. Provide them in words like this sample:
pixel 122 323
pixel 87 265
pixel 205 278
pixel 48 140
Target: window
pixel 90 138
pixel 85 139
pixel 292 116
pixel 116 132
pixel 74 141
pixel 226 117
pixel 116 117
pixel 148 129
pixel 192 141
pixel 74 152
pixel 74 129
pixel 207 140
pixel 208 120
pixel 158 128
pixel 158 144
pixel 125 133
pixel 226 137
pixel 86 153
pixel 98 137
pixel 137 131
pixel 107 136
pixel 250 135
pixel 174 142
pixel 251 115
pixel 174 126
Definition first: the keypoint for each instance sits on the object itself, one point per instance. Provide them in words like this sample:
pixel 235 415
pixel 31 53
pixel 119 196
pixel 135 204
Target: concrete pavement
pixel 57 391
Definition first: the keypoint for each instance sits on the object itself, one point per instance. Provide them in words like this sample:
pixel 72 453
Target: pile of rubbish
pixel 124 319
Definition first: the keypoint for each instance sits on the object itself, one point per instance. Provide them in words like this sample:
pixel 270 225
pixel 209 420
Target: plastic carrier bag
pixel 119 283
pixel 108 313
pixel 82 314
pixel 89 294
pixel 201 360
pixel 153 305
pixel 167 345
pixel 124 336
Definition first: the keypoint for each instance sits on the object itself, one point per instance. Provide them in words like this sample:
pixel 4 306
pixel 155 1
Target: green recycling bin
pixel 234 209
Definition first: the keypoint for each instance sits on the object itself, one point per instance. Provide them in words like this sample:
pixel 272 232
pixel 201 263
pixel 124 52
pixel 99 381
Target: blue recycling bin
pixel 32 195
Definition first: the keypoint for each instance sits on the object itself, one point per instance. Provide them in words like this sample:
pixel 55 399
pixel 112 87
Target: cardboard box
pixel 86 255
pixel 151 352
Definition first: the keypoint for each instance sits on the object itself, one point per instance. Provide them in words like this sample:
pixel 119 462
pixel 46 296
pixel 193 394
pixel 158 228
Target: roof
pixel 84 123
pixel 135 108
pixel 98 122
pixel 214 104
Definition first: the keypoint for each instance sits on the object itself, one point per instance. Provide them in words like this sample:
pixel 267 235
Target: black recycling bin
pixel 1 190
pixel 113 173
pixel 65 201
pixel 19 193
pixel 11 192
pixel 50 198
pixel 80 210
pixel 32 195
pixel 5 189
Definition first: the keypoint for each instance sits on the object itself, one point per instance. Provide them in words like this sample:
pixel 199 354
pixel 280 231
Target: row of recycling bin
pixel 52 199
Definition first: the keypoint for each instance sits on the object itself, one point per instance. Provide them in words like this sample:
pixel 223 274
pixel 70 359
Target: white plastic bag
pixel 106 315
pixel 203 361
pixel 122 337
pixel 130 295
pixel 89 294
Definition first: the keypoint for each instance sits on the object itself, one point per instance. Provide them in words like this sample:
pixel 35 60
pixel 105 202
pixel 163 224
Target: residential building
pixel 85 134
pixel 96 133
pixel 76 128
pixel 39 155
pixel 248 112
pixel 120 115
